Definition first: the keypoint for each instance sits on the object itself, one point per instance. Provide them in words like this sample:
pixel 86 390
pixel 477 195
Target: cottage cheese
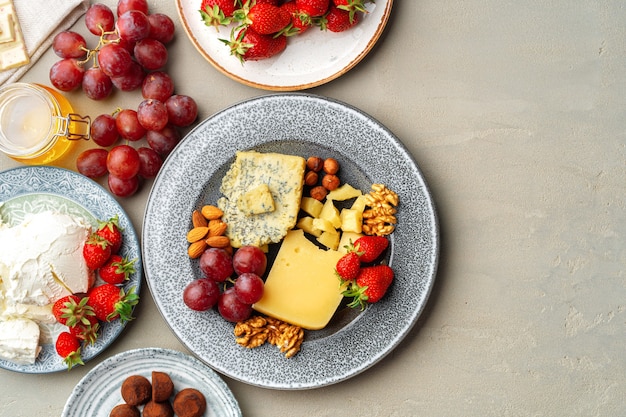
pixel 41 260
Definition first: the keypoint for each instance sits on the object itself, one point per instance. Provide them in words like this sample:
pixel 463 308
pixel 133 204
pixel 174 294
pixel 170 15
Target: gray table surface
pixel 514 111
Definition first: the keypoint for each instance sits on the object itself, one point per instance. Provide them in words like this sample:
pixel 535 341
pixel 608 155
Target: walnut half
pixel 257 330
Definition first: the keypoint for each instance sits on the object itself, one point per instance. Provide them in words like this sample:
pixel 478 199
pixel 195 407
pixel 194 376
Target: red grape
pixel 161 27
pixel 114 60
pixel 68 44
pixel 133 26
pixel 131 80
pixel 249 259
pixel 99 19
pixel 96 84
pixel 249 288
pixel 182 110
pixel 123 162
pixel 123 188
pixel 152 114
pixel 125 5
pixel 150 54
pixel 231 309
pixel 151 162
pixel 163 141
pixel 201 294
pixel 66 74
pixel 128 125
pixel 92 163
pixel 157 85
pixel 216 264
pixel 104 131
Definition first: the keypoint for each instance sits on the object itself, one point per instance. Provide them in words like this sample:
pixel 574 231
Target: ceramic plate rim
pixel 248 78
pixel 155 266
pixel 131 241
pixel 174 359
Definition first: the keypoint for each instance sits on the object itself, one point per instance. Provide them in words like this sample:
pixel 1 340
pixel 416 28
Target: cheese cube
pixel 257 201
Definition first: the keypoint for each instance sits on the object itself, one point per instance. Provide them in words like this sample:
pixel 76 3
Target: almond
pixel 196 234
pixel 217 227
pixel 218 241
pixel 212 212
pixel 198 219
pixel 196 249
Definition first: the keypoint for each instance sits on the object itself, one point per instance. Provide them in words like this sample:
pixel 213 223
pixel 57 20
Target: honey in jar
pixel 37 124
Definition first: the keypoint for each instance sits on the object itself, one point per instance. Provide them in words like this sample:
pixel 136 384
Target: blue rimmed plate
pixel 33 189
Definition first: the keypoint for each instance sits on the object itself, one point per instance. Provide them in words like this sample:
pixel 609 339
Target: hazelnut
pixel 331 166
pixel 330 182
pixel 315 163
pixel 319 192
pixel 310 178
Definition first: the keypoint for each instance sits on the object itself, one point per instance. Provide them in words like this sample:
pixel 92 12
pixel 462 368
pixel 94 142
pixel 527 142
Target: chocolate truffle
pixel 162 386
pixel 154 409
pixel 189 402
pixel 136 390
pixel 125 410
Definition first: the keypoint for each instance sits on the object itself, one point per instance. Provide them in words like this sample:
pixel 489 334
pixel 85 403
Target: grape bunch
pixel 130 55
pixel 234 303
pixel 128 47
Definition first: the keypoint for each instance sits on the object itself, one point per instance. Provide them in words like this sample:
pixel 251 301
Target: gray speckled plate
pixel 33 189
pixel 298 124
pixel 94 399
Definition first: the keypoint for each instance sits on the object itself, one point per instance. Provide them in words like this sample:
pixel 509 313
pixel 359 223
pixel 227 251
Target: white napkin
pixel 41 20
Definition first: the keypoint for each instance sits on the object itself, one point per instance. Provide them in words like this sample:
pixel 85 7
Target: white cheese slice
pixel 19 341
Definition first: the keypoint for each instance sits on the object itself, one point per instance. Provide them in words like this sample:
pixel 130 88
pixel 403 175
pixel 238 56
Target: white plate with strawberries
pixel 304 125
pixel 35 189
pixel 309 59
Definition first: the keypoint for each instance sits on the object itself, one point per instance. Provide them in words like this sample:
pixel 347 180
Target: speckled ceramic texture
pixel 298 124
pixel 100 389
pixel 313 58
pixel 33 189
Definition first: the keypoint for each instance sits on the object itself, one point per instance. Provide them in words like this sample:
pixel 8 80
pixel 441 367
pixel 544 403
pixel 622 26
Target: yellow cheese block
pixel 302 288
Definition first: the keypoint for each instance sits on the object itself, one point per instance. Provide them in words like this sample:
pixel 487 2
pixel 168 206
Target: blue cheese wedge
pixel 259 200
pixel 252 221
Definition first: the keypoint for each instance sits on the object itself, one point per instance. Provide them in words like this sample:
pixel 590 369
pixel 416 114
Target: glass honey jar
pixel 37 124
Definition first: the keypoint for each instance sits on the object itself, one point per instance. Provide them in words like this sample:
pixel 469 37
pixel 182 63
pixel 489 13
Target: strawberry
pixel 299 21
pixel 266 18
pixel 96 251
pixel 348 266
pixel 248 45
pixel 351 6
pixel 68 347
pixel 110 302
pixel 87 332
pixel 337 20
pixel 217 12
pixel 312 8
pixel 111 231
pixel 117 269
pixel 72 310
pixel 371 247
pixel 370 285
